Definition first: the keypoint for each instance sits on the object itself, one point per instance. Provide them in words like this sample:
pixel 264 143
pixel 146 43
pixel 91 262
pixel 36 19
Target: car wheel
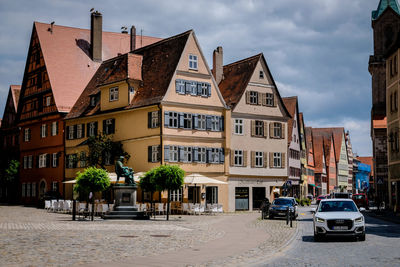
pixel 362 237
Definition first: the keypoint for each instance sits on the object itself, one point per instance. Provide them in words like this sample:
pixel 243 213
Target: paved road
pixel 381 247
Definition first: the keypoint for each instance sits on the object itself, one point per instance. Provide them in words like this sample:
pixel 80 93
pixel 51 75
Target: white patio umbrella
pixel 196 178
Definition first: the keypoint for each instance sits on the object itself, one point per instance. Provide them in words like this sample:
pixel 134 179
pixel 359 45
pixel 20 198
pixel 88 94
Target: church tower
pixel 386 28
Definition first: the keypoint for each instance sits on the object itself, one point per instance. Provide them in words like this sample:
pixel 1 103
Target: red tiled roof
pixel 154 65
pixel 291 106
pixel 327 139
pixel 338 134
pixel 309 143
pixel 369 161
pixel 318 142
pixel 67 58
pixel 15 91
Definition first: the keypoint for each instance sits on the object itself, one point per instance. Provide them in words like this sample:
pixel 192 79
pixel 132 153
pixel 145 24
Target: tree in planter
pixel 148 183
pixel 102 147
pixel 10 174
pixel 92 180
pixel 168 177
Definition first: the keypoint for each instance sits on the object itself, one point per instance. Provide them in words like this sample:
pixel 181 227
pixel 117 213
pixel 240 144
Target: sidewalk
pixel 389 216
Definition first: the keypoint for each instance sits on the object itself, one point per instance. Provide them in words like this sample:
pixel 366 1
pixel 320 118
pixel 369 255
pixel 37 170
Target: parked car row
pixel 360 199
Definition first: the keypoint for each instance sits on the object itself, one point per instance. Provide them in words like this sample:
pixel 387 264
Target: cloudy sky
pixel 316 49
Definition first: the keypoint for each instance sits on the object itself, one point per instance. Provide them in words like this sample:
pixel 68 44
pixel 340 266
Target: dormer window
pixel 114 94
pixel 131 90
pixel 192 62
pixel 261 74
pixel 93 101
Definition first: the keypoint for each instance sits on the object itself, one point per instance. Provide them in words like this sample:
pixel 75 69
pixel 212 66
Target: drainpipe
pixel 161 133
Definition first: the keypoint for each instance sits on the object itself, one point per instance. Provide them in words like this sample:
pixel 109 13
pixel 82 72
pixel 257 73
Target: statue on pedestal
pixel 123 171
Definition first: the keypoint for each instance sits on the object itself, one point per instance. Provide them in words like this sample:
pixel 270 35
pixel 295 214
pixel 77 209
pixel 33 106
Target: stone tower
pixel 386 28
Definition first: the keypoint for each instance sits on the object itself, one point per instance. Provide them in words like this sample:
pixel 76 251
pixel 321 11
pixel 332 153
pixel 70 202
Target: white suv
pixel 338 217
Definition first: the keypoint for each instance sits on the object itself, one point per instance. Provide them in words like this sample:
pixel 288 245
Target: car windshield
pixel 329 206
pixel 322 197
pixel 359 197
pixel 282 201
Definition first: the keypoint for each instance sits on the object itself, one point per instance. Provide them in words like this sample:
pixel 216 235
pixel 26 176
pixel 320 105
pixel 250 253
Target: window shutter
pixel 209 89
pixel 46 132
pixel 149 119
pixel 47 160
pixel 199 91
pixel 104 126
pixel 56 127
pixel 253 128
pixel 264 99
pixel 283 160
pixel 283 131
pixel 232 158
pixel 275 100
pixel 166 118
pixel 259 98
pixel 75 130
pixel 271 159
pixel 271 130
pixel 244 158
pixel 112 126
pixel 67 133
pixel 187 87
pixel 95 128
pixel 181 154
pixel 177 85
pixel 247 97
pixel 83 130
pixel 57 158
pixel 75 158
pixel 166 153
pixel 208 155
pixel 221 155
pixel 195 121
pixel 253 159
pixel 159 153
pixel 221 123
pixel 180 120
pixel 149 151
pixel 265 154
pixel 195 154
pixel 88 129
pixel 265 126
pixel 208 122
pixel 37 161
pixel 193 88
pixel 159 118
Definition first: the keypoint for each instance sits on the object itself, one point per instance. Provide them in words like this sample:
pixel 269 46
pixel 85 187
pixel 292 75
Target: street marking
pixel 302 214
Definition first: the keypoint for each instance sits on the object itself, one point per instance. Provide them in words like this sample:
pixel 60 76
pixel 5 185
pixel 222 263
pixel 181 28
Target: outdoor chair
pixel 220 209
pixel 54 205
pixel 110 206
pixel 104 208
pixel 83 210
pixel 185 208
pixel 214 208
pixel 98 209
pixel 47 205
pixel 208 208
pixel 60 207
pixel 160 208
pixel 143 207
pixel 201 209
pixel 67 206
pixel 196 208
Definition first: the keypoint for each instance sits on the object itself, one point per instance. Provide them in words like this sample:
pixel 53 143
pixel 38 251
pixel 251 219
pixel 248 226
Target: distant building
pixel 372 185
pixel 310 167
pixel 361 175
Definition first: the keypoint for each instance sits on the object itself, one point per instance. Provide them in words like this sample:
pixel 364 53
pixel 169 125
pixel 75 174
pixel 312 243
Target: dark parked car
pixel 361 200
pixel 319 198
pixel 341 195
pixel 279 207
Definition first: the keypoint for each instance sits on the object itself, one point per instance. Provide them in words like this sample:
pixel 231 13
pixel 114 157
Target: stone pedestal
pixel 125 204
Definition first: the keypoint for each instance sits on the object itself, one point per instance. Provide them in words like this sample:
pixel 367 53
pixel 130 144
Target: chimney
pixel 218 72
pixel 133 38
pixel 96 32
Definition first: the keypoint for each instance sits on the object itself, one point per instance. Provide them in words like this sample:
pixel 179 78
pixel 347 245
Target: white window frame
pixel 48 101
pixel 259 159
pixel 173 119
pixel 26 135
pixel 215 123
pixel 277 129
pixel 258 128
pixel 33 189
pixel 54 160
pixel 54 186
pixel 92 128
pixel 28 190
pixel 79 132
pixel 30 161
pixel 202 122
pixel 42 160
pixel 114 93
pixel 187 154
pixel 181 87
pixel 277 160
pixel 71 132
pixel 173 153
pixel 43 130
pixel 109 122
pixel 154 119
pixel 82 159
pixel 238 126
pixel 254 97
pixel 154 153
pixel 187 121
pixel 54 128
pixel 70 162
pixel 193 62
pixel 269 99
pixel 202 155
pixel 238 158
pixel 214 155
pixel 261 74
pixel 25 162
pixel 204 89
pixel 176 195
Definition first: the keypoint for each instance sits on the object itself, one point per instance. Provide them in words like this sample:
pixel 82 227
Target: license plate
pixel 340 228
pixel 281 213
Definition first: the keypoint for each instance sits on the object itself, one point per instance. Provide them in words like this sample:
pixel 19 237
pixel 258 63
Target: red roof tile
pixel 309 143
pixel 318 142
pixel 67 58
pixel 154 65
pixel 291 106
pixel 15 91
pixel 338 134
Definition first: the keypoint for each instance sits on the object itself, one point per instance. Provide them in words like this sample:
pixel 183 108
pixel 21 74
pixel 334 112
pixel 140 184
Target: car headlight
pixel 320 220
pixel 358 220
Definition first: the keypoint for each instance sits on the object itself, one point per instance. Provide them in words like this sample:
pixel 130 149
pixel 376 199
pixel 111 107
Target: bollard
pixel 73 210
pixel 291 220
pixel 287 215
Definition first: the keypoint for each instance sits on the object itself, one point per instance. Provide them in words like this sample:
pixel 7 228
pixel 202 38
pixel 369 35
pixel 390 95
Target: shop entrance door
pixel 258 197
pixel 211 194
pixel 241 198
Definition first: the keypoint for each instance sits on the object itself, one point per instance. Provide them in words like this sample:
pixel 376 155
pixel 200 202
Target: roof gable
pixel 383 5
pixel 10 109
pixel 291 105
